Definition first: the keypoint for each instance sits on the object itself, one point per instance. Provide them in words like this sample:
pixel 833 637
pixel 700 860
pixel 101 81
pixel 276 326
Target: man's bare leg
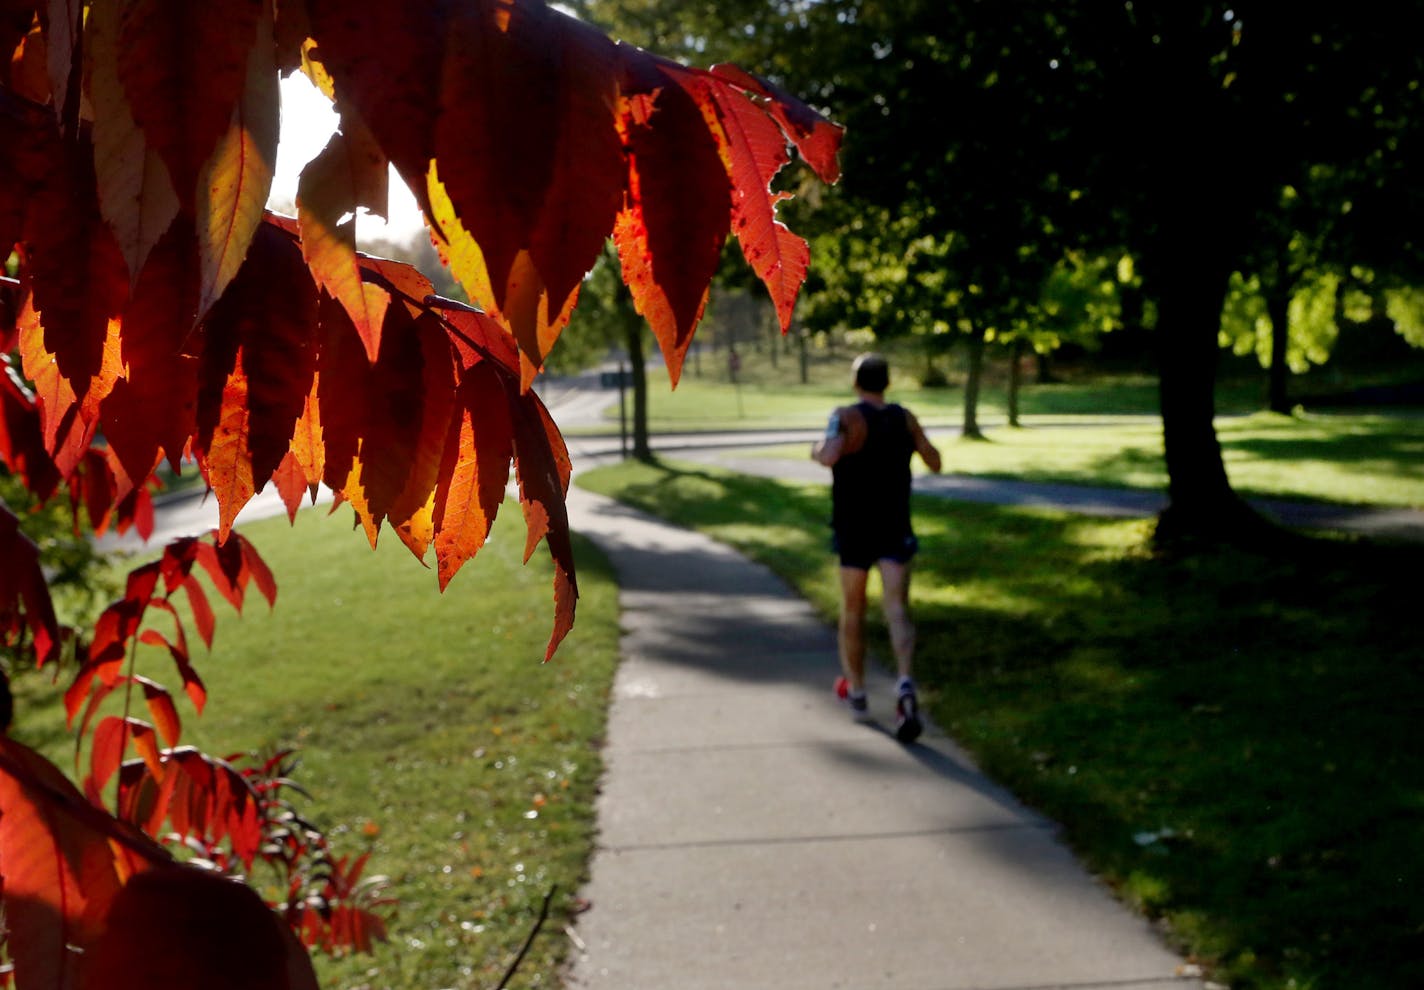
pixel 895 579
pixel 852 626
pixel 895 585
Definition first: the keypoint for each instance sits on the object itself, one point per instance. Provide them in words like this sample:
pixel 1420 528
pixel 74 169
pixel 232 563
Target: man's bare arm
pixel 829 448
pixel 827 452
pixel 928 452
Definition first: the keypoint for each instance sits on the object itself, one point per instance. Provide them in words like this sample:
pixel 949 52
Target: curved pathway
pixel 751 835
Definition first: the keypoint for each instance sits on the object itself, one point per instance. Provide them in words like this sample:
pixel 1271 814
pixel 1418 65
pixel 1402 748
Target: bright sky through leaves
pixel 308 121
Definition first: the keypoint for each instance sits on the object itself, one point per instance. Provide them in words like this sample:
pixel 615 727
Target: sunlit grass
pixel 430 734
pixel 1227 739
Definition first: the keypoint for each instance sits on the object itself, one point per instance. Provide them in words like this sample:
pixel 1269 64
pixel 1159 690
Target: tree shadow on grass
pixel 1223 735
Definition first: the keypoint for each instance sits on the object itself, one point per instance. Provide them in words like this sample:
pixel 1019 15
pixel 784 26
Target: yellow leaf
pixel 458 248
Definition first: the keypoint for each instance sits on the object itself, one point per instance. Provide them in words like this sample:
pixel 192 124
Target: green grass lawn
pixel 1229 740
pixel 774 401
pixel 1358 459
pixel 430 733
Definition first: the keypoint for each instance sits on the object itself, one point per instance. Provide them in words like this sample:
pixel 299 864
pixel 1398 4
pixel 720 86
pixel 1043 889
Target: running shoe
pixel 859 706
pixel 907 717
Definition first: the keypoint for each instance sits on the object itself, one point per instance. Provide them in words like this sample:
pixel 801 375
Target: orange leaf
pixel 457 248
pixel 234 182
pixel 291 483
pixel 351 171
pixel 412 511
pixel 474 471
pixel 66 433
pixel 306 445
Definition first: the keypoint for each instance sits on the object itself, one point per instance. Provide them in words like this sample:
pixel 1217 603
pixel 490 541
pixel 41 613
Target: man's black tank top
pixel 870 489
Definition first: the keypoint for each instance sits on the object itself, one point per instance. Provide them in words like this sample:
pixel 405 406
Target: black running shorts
pixel 860 552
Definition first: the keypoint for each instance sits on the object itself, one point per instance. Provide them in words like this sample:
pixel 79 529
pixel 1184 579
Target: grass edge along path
pixel 1225 739
pixel 429 734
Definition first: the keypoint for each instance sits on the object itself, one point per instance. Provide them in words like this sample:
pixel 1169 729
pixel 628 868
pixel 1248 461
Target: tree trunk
pixel 1278 374
pixel 971 429
pixel 1044 375
pixel 1016 355
pixel 634 339
pixel 805 354
pixel 1202 506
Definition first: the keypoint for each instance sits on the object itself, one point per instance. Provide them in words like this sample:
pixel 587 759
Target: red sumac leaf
pixel 183 67
pixel 257 370
pixel 202 609
pixel 79 278
pixel 24 592
pixel 234 181
pixel 543 465
pixel 257 570
pixel 816 138
pixel 677 208
pixel 153 404
pixel 180 926
pixel 106 752
pixel 412 512
pixel 60 874
pixel 22 447
pixel 161 707
pixel 538 170
pixel 754 150
pixel 136 195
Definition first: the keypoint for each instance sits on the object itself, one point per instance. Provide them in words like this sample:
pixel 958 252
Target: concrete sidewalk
pixel 750 835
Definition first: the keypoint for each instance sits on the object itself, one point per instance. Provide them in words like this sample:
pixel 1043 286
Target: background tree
pixel 607 318
pixel 1170 131
pixel 1286 91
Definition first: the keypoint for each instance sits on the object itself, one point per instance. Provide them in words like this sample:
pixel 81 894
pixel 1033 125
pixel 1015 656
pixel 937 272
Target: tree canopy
pixel 1170 132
